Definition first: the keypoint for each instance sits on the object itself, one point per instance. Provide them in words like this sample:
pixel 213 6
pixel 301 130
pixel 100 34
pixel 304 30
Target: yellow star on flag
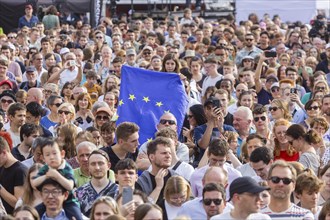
pixel 146 99
pixel 168 111
pixel 121 102
pixel 132 97
pixel 159 104
pixel 149 139
pixel 115 117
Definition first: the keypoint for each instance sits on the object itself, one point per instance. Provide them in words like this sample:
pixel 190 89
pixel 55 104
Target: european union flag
pixel 146 95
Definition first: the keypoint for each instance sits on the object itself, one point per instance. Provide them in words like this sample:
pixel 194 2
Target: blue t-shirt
pixel 46 122
pixel 264 97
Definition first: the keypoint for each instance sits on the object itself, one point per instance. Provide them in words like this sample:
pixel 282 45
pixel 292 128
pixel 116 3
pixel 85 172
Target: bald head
pixel 167 120
pixel 34 95
pixel 217 175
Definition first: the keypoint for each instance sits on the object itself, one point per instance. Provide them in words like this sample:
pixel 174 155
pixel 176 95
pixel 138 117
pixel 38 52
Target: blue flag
pixel 146 95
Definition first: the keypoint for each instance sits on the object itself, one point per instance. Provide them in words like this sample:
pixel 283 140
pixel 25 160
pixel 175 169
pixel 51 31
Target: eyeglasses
pixel 58 105
pixel 190 116
pixel 102 117
pixel 181 198
pixel 146 53
pixel 65 112
pixel 273 108
pixel 313 108
pixel 98 37
pixel 3 101
pixel 276 180
pixel 249 39
pixel 47 91
pixel 208 202
pixel 164 121
pixel 11 37
pixel 263 118
pixel 276 89
pixel 55 192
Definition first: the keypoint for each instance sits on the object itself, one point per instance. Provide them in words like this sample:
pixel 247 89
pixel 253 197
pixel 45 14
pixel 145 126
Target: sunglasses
pixel 58 105
pixel 104 118
pixel 319 88
pixel 273 109
pixel 306 42
pixel 65 112
pixel 164 121
pixel 285 180
pixel 209 201
pixel 275 89
pixel 263 118
pixel 313 108
pixel 146 53
pixel 190 116
pixel 98 37
pixel 249 39
pixel 11 37
pixel 3 101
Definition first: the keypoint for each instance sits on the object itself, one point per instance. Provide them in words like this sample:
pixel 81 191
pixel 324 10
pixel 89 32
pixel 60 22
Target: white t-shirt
pixel 68 75
pixel 293 213
pixel 209 81
pixel 254 216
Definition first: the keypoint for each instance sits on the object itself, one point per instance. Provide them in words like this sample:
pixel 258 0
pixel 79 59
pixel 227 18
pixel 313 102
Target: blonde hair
pixel 70 108
pixel 176 184
pixel 277 149
pixel 108 201
pixel 284 106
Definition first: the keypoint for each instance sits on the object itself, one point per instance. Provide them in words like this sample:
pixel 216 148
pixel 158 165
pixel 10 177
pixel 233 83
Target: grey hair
pixel 38 142
pixel 86 144
pixel 247 112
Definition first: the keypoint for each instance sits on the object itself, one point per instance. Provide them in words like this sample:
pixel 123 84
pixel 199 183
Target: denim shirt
pixel 60 216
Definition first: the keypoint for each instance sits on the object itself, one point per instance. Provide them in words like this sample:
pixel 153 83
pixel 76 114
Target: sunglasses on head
pixel 102 117
pixel 273 109
pixel 209 201
pixel 313 108
pixel 57 105
pixel 164 121
pixel 65 112
pixel 6 101
pixel 285 180
pixel 263 118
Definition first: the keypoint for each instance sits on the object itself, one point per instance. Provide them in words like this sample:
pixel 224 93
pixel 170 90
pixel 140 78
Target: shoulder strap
pixel 177 165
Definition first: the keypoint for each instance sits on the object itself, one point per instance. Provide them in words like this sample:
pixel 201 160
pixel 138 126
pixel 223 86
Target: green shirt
pixel 82 179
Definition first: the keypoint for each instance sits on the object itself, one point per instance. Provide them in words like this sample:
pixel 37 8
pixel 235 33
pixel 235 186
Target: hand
pixel 160 178
pixel 128 209
pixel 52 173
pixel 142 156
pixel 186 132
pixel 294 97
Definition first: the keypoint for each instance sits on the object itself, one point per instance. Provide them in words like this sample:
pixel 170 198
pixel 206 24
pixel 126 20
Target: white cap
pixel 64 50
pixel 327 46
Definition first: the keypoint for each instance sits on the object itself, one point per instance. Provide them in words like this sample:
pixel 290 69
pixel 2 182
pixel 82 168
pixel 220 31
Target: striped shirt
pixel 293 213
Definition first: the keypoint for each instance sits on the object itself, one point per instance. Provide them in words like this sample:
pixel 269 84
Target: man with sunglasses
pixel 246 198
pixel 214 199
pixel 281 181
pixel 249 50
pixel 182 151
pixel 261 123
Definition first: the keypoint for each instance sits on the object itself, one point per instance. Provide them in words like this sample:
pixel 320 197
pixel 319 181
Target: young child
pixel 58 169
pixel 93 89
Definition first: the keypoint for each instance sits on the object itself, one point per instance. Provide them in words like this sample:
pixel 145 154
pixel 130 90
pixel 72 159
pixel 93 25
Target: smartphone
pixel 72 63
pixel 216 103
pixel 293 90
pixel 298 54
pixel 270 54
pixel 127 195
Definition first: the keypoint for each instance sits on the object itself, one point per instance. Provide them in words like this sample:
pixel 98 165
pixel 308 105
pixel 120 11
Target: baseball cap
pixel 64 50
pixel 29 6
pixel 248 58
pixel 327 46
pixel 276 84
pixel 104 109
pixel 30 69
pixel 8 93
pixel 147 48
pixel 130 51
pixel 189 53
pixel 6 82
pixel 245 184
pixel 271 77
pixel 192 39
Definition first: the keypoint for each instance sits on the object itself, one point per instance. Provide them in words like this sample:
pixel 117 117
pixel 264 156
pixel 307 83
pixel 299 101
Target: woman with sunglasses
pixel 282 149
pixel 102 115
pixel 279 109
pixel 305 143
pixel 313 110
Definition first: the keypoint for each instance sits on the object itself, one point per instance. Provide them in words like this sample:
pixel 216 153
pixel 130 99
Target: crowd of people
pixel 255 142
